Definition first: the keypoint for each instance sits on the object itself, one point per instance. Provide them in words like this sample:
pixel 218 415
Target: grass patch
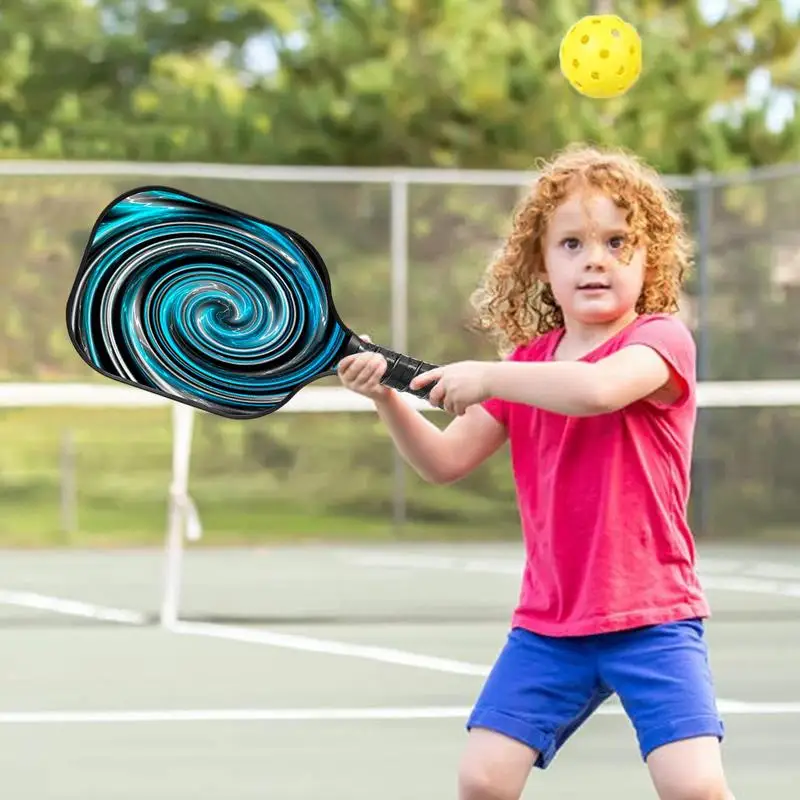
pixel 312 477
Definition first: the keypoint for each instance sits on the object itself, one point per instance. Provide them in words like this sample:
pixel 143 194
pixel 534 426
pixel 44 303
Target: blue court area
pixel 335 672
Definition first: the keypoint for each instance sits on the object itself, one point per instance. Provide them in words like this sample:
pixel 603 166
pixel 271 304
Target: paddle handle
pixel 400 369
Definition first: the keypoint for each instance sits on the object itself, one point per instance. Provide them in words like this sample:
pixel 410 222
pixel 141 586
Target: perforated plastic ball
pixel 601 56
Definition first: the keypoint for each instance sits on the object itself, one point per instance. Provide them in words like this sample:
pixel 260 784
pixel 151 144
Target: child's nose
pixel 597 256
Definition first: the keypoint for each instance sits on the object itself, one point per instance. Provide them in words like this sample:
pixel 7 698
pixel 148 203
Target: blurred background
pixel 285 109
pixel 397 136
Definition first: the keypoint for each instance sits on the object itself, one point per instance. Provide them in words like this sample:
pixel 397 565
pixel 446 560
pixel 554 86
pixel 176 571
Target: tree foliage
pixel 389 82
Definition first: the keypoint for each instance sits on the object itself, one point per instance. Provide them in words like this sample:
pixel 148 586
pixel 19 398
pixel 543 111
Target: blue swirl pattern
pixel 203 305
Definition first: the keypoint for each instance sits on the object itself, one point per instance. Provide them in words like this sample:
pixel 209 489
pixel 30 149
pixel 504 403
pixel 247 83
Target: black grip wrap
pixel 401 370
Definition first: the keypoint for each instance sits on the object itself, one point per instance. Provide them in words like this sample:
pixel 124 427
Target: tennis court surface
pixel 335 672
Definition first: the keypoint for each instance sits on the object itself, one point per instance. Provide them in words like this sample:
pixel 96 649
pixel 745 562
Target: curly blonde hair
pixel 514 302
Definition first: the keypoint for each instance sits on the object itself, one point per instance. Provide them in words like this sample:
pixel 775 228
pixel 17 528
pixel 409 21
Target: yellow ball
pixel 601 56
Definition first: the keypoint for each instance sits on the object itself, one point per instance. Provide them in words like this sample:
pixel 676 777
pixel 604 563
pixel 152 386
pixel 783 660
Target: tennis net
pixel 103 466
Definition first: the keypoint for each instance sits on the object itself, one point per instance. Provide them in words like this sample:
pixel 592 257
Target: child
pixel 597 400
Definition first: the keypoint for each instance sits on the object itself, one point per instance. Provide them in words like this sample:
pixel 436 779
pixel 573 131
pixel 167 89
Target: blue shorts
pixel 542 689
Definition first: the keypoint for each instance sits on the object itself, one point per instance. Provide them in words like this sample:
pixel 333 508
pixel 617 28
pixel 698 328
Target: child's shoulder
pixel 659 325
pixel 663 329
pixel 666 333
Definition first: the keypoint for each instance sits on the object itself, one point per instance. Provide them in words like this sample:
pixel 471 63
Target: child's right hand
pixel 362 373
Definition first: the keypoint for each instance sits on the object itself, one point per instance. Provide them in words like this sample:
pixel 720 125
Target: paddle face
pixel 204 305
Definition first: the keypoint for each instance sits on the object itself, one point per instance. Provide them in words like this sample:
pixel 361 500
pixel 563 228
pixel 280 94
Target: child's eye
pixel 616 242
pixel 570 243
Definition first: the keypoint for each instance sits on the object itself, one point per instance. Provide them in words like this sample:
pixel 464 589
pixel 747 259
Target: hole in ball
pixel 621 71
pixel 604 54
pixel 615 33
pixel 575 63
pixel 585 38
pixel 596 76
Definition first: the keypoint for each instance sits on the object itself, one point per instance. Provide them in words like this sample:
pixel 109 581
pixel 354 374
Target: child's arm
pixel 440 456
pixel 437 456
pixel 578 388
pixel 572 388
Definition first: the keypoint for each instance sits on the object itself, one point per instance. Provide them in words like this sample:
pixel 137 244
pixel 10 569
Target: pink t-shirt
pixel 603 499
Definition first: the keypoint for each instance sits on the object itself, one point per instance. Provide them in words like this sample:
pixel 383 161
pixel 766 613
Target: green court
pixel 335 672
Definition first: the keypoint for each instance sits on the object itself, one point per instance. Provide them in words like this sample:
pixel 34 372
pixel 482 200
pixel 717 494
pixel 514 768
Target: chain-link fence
pixel 404 249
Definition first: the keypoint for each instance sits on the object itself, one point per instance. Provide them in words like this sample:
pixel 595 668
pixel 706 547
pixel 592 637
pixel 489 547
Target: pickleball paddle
pixel 211 307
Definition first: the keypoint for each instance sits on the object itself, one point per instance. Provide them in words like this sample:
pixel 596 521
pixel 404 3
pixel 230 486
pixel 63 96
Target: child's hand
pixel 458 386
pixel 362 373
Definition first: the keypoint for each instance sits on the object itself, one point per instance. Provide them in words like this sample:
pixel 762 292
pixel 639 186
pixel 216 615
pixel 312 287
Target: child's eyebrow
pixel 574 231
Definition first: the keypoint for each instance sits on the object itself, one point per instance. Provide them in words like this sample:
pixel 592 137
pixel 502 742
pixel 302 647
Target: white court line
pixel 234 715
pixel 329 647
pixel 451 563
pixel 292 642
pixel 748 585
pixel 382 654
pixel 289 641
pixel 767 569
pixel 73 608
pixel 727 708
pixel 739 580
pixel 754 569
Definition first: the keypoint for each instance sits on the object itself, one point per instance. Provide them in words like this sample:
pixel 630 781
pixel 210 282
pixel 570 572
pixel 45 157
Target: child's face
pixel 586 239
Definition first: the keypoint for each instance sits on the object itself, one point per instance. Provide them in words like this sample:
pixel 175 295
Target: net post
pixel 399 304
pixel 704 209
pixel 182 519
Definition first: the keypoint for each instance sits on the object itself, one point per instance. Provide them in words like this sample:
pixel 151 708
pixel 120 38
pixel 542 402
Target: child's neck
pixel 580 338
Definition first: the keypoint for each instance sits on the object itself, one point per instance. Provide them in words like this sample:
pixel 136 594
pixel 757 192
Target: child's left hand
pixel 459 386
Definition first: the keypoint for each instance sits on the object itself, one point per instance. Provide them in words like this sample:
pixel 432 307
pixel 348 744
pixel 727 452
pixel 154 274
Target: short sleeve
pixel 673 341
pixel 498 408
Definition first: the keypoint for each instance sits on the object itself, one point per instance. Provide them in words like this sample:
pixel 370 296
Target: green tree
pixel 469 84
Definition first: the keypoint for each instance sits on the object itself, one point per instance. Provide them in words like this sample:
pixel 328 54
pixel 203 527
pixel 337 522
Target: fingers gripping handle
pixel 401 370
